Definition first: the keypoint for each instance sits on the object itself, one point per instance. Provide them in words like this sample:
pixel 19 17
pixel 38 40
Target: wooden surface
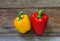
pixel 35 38
pixel 29 3
pixel 7 16
pixel 9 10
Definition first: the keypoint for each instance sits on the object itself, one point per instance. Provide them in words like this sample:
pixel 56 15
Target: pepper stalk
pixel 19 15
pixel 40 13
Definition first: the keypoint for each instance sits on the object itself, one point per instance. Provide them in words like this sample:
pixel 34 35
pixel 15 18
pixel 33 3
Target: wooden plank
pixel 31 38
pixel 10 37
pixel 29 3
pixel 7 16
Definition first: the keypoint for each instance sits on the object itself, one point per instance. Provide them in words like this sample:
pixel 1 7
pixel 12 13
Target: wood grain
pixel 29 3
pixel 8 15
pixel 29 38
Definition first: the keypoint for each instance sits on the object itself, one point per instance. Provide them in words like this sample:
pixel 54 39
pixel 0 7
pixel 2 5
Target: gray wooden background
pixel 10 8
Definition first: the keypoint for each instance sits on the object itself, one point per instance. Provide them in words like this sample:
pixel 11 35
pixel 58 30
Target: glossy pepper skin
pixel 22 23
pixel 39 21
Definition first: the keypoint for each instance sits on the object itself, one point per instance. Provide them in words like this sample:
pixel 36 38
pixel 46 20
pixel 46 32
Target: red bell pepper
pixel 38 21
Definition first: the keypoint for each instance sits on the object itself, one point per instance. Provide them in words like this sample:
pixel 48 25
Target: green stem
pixel 19 15
pixel 40 13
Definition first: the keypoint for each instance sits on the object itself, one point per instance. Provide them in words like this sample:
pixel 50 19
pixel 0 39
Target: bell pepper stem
pixel 19 15
pixel 40 13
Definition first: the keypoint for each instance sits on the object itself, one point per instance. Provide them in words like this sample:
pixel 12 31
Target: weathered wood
pixel 29 3
pixel 31 38
pixel 7 16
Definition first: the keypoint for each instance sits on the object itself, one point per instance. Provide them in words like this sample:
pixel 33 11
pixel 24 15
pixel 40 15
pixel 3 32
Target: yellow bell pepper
pixel 22 23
